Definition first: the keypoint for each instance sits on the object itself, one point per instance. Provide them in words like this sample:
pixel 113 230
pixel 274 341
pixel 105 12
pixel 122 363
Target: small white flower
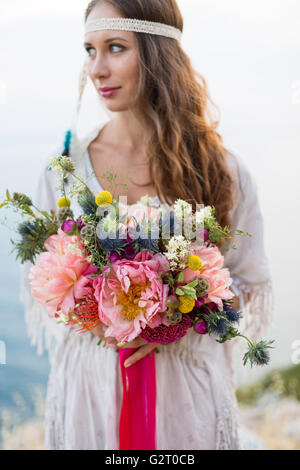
pixel 177 251
pixel 203 214
pixel 76 189
pixel 63 164
pixel 54 163
pixel 182 208
pixel 207 212
pixel 75 250
pixel 75 247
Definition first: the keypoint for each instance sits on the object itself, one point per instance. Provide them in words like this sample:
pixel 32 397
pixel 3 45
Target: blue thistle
pixel 112 244
pixel 26 228
pixel 148 244
pixel 217 323
pixel 87 203
pixel 145 237
pixel 232 315
pixel 34 234
pixel 220 324
pixel 258 353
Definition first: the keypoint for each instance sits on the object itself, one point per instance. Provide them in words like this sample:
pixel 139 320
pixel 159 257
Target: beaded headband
pixel 138 26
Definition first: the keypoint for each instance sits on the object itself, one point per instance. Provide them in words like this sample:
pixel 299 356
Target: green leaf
pixel 191 296
pixel 188 289
pixel 45 214
pixel 180 277
pixel 193 283
pixel 179 291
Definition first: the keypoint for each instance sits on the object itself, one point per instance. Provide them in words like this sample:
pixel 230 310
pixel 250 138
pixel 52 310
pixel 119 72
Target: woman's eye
pixel 91 50
pixel 117 46
pixel 88 49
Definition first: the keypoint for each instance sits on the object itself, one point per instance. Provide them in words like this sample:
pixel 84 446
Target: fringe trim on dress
pixel 257 307
pixel 42 330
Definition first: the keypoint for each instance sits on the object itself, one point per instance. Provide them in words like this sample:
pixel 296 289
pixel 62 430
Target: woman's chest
pixel 121 173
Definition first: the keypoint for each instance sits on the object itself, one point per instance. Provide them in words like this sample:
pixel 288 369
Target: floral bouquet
pixel 144 271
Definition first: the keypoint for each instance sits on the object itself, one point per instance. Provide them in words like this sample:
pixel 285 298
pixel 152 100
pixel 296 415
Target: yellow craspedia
pixel 63 202
pixel 195 263
pixel 104 198
pixel 186 305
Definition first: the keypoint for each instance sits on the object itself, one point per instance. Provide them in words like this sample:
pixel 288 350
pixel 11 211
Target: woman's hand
pixel 144 348
pixel 100 331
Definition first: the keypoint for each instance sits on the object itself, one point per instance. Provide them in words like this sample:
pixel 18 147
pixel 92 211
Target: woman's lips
pixel 108 92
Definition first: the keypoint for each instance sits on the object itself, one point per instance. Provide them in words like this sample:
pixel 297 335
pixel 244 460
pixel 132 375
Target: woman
pixel 161 132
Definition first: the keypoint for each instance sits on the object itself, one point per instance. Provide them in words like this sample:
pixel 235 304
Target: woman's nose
pixel 99 68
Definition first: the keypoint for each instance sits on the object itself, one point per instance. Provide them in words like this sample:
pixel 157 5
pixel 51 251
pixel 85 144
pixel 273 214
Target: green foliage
pixel 111 177
pixel 215 230
pixel 231 333
pixel 34 233
pixel 285 381
pixel 19 202
pixel 34 230
pixel 188 290
pixel 96 254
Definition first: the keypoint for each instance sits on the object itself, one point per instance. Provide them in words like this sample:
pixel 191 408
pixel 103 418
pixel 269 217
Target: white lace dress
pixel 196 403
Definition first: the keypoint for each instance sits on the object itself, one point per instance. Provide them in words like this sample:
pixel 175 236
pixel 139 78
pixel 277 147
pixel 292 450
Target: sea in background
pixel 253 75
pixel 24 376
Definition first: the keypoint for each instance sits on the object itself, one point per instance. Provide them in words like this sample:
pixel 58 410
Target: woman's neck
pixel 127 132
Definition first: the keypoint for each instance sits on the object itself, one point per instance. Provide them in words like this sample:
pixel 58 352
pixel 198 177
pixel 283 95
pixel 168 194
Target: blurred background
pixel 248 53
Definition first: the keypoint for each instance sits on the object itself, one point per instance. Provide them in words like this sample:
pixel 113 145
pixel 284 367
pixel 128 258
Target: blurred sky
pixel 248 52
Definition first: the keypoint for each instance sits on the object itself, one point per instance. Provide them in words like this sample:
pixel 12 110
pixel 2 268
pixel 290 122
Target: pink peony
pixel 131 295
pixel 212 270
pixel 59 277
pixel 220 282
pixel 211 257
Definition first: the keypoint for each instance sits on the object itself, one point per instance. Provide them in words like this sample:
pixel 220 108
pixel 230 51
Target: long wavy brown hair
pixel 186 156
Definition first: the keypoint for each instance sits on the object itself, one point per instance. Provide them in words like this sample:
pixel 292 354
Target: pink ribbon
pixel 137 427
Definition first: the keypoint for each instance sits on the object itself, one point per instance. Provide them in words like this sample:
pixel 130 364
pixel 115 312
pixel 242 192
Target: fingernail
pixel 127 363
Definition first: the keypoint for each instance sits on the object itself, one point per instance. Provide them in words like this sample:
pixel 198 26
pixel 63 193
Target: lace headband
pixel 138 26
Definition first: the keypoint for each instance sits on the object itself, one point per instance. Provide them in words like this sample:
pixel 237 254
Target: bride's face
pixel 113 61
